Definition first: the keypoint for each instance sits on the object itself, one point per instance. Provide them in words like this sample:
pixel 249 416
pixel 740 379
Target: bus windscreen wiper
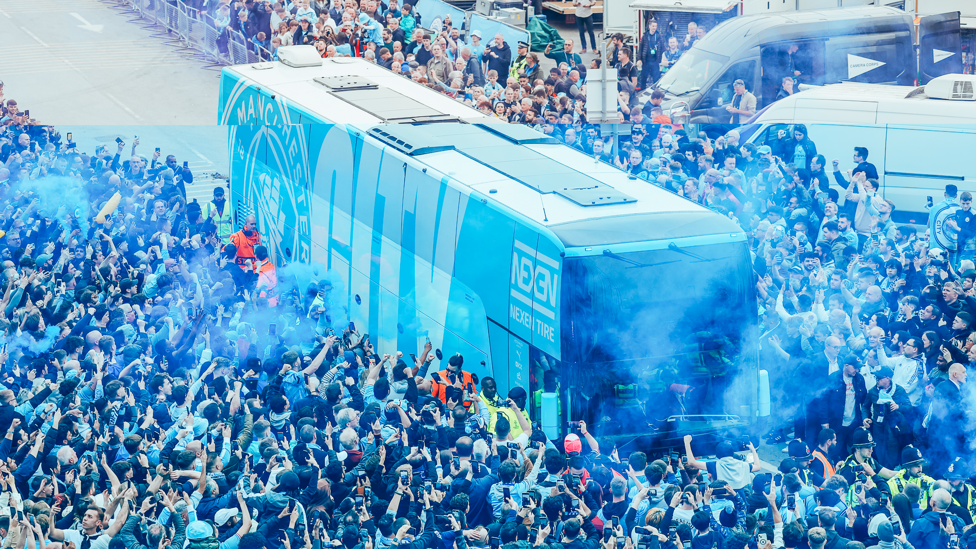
pixel 674 248
pixel 638 264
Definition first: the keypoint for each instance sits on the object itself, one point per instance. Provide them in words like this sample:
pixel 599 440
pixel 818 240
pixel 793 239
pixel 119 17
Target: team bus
pixel 600 294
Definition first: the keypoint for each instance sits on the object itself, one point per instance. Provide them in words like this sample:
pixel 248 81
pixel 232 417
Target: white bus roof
pixel 857 103
pixel 381 95
pixel 574 195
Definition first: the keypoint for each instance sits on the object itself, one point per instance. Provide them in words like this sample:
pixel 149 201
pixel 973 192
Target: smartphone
pixel 272 330
pixel 884 499
pixel 27 113
pixel 31 517
pixel 412 532
pixel 69 137
pixel 561 484
pixel 778 479
pixel 761 540
pixel 675 456
pixel 791 502
pixel 684 460
pixel 361 474
pixel 615 521
pixel 359 501
pixel 72 145
pixel 352 326
pixel 429 487
pixel 189 312
pixel 405 477
pixel 895 526
pixel 506 493
pixel 456 461
pixel 118 140
pixel 185 164
pixel 953 541
pixel 672 533
pixel 157 149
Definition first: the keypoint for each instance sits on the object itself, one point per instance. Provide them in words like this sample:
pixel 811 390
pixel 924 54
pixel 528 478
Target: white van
pixel 914 162
pixel 948 99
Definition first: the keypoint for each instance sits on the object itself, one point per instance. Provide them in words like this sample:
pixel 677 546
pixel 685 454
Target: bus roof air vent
pixel 346 83
pixel 410 140
pixel 954 87
pixel 299 56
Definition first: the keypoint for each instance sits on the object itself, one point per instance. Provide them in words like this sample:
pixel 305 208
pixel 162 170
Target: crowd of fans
pixel 159 389
pixel 488 73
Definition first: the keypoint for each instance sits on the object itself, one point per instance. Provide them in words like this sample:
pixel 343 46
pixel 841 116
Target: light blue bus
pixel 544 268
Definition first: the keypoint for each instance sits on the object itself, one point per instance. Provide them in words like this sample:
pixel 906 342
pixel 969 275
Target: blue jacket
pixel 927 531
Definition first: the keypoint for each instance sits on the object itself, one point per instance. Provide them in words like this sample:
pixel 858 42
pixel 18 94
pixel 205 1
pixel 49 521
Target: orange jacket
pixel 245 247
pixel 268 282
pixel 441 381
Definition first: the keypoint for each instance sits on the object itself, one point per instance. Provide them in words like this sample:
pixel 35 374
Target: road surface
pixel 89 62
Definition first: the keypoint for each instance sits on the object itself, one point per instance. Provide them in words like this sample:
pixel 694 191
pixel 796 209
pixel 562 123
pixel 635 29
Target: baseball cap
pixel 572 444
pixel 884 372
pixel 224 515
pixel 198 530
pixel 765 149
pixel 517 392
pixel 799 450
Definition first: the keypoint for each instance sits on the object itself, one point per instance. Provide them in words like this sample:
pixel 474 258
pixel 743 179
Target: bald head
pixel 873 294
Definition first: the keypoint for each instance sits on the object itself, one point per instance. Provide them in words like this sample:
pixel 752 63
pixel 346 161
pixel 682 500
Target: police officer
pixel 963 493
pixel 799 452
pixel 861 464
pixel 518 66
pixel 911 473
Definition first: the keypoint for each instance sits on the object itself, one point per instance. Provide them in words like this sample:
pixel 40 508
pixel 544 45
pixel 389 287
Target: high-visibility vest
pixel 897 484
pixel 828 468
pixel 245 247
pixel 224 222
pixel 441 381
pixel 268 282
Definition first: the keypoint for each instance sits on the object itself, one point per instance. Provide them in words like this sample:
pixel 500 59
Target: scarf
pixel 208 543
pixel 886 397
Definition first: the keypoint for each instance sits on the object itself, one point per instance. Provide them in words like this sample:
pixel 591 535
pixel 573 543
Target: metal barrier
pixel 199 31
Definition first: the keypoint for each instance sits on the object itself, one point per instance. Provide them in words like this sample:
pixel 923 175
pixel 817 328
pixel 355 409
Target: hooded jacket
pixel 499 63
pixel 927 531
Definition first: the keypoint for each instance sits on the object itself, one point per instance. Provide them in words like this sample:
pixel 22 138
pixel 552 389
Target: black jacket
pixel 500 63
pixel 831 408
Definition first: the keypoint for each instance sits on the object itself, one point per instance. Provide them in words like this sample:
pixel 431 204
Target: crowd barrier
pixel 199 31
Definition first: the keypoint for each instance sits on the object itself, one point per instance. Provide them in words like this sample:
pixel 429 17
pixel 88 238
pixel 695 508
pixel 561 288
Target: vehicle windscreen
pixel 662 319
pixel 692 71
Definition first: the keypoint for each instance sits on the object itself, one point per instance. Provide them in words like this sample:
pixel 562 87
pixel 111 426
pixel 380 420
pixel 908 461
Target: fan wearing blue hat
pixel 886 409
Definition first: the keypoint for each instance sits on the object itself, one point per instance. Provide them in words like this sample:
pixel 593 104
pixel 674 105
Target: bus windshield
pixel 691 72
pixel 675 326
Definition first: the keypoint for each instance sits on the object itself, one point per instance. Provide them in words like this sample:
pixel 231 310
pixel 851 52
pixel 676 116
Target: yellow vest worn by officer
pixel 911 457
pixel 520 63
pixel 223 221
pixel 963 495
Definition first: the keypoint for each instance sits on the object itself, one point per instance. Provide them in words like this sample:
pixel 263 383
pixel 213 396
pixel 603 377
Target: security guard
pixel 861 462
pixel 218 211
pixel 519 397
pixel 963 493
pixel 267 286
pixel 490 401
pixel 911 473
pixel 245 240
pixel 453 377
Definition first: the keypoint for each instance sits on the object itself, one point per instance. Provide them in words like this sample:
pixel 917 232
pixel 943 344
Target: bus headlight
pixel 679 113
